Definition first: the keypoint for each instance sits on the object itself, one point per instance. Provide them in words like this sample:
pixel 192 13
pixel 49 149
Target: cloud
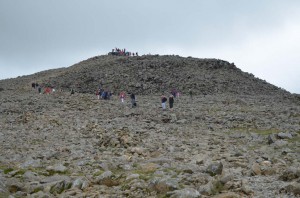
pixel 259 36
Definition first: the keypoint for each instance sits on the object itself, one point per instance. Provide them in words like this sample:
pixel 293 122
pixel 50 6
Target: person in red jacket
pixel 122 96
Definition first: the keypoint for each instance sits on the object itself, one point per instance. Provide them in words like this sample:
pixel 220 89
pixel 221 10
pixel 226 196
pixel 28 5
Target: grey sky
pixel 260 36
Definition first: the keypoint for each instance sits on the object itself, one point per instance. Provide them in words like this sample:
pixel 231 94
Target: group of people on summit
pixel 122 52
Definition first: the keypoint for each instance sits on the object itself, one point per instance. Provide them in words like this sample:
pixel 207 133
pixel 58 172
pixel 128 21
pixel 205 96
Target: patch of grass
pixel 2 167
pixel 145 175
pixel 294 139
pixel 265 131
pixel 125 186
pixel 21 172
pixel 51 172
pixel 253 147
pixel 135 165
pixel 98 173
pixel 258 131
pixel 7 170
pixel 4 194
pixel 238 129
pixel 39 171
pixel 163 196
pixel 253 130
pixel 39 188
pixel 217 188
pixel 37 141
pixel 171 170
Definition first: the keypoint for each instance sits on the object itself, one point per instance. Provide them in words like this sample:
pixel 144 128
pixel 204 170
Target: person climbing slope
pixel 163 102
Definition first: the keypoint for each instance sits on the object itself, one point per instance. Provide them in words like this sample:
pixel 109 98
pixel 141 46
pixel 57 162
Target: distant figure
pixel 72 91
pixel 191 93
pixel 122 96
pixel 163 102
pixel 101 93
pixel 40 90
pixel 48 90
pixel 171 101
pixel 173 92
pixel 105 95
pixel 109 94
pixel 136 54
pixel 133 102
pixel 98 93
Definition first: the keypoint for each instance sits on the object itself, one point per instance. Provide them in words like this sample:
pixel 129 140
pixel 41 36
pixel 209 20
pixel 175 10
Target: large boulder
pixel 293 188
pixel 290 174
pixel 283 135
pixel 215 168
pixel 163 185
pixel 184 193
pixel 107 178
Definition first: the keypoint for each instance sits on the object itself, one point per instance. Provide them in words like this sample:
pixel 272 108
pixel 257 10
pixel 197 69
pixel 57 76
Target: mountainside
pixel 237 136
pixel 156 74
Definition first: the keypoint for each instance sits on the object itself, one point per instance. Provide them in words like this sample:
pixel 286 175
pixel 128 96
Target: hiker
pixel 122 96
pixel 191 93
pixel 47 90
pixel 105 94
pixel 40 90
pixel 133 102
pixel 163 102
pixel 101 93
pixel 72 91
pixel 171 101
pixel 109 94
pixel 98 93
pixel 173 92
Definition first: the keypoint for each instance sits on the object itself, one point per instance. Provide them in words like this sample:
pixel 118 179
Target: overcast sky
pixel 261 37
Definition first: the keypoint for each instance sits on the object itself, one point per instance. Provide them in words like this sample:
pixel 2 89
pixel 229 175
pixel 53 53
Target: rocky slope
pixel 155 74
pixel 215 145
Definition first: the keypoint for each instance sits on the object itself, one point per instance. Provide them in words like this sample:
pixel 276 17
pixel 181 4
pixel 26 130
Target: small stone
pixel 271 139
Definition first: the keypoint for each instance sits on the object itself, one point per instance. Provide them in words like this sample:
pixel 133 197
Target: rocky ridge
pixel 215 145
pixel 152 74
